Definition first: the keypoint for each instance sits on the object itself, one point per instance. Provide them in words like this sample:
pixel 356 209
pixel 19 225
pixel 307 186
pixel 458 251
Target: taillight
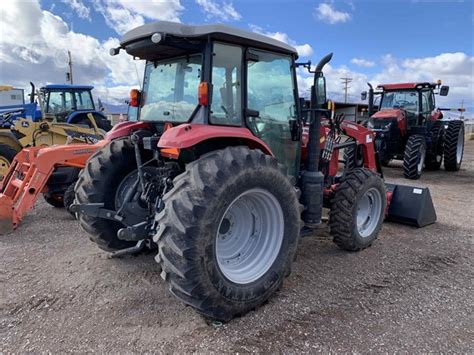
pixel 134 97
pixel 203 93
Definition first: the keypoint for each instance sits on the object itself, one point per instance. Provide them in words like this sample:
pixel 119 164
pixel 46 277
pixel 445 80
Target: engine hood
pixel 389 113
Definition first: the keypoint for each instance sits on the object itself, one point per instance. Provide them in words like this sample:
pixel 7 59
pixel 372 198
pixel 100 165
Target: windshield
pixel 407 100
pixel 170 90
pixel 67 101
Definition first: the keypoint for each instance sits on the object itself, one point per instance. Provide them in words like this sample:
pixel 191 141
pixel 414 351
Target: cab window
pixel 226 107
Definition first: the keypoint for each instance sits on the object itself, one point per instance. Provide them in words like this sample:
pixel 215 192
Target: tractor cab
pixel 220 77
pixel 62 100
pixel 71 104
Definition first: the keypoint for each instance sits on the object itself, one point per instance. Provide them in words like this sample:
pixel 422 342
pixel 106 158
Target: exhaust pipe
pixel 313 179
pixel 371 100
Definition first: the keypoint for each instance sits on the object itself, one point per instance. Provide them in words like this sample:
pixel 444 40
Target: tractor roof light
pixel 156 38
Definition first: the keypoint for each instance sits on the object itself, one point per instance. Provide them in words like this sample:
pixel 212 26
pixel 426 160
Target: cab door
pixel 272 105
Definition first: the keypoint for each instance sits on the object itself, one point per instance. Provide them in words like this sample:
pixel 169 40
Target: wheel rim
pixel 249 236
pixel 459 148
pixel 4 165
pixel 422 159
pixel 368 212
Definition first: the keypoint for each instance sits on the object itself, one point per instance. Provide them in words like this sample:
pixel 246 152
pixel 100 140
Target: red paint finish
pixel 394 113
pixel 363 137
pixel 405 86
pixel 124 129
pixel 188 135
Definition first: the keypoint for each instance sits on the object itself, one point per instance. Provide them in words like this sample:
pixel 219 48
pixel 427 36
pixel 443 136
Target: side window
pixel 271 92
pixel 226 107
pixel 426 102
pixel 270 87
pixel 59 102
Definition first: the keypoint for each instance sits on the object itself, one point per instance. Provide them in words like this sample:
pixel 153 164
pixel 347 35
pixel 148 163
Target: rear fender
pixel 191 135
pixel 125 129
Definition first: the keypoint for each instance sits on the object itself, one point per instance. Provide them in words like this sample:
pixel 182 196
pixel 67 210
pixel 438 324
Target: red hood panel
pixel 388 113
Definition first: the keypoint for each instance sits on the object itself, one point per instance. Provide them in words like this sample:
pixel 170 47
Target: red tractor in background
pixel 409 127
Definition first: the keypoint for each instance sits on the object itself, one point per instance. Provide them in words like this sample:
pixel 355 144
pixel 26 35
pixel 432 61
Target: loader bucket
pixel 410 205
pixel 6 214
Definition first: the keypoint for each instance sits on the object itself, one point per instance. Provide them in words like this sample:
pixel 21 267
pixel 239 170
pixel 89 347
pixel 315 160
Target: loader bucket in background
pixel 410 205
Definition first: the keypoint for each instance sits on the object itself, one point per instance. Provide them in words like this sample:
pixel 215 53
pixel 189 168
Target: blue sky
pixel 391 40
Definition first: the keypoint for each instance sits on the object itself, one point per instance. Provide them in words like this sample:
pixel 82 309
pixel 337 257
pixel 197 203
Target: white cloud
pixel 124 15
pixel 362 62
pixel 224 10
pixel 326 12
pixel 79 8
pixel 304 50
pixel 35 49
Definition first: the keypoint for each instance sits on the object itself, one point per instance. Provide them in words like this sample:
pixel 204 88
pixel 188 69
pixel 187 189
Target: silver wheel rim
pixel 422 159
pixel 249 236
pixel 459 147
pixel 368 212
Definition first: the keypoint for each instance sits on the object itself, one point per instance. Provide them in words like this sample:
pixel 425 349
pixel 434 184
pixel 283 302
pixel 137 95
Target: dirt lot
pixel 411 291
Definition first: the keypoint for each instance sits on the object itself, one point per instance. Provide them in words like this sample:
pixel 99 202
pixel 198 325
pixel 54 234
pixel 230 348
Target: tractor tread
pixel 450 145
pixel 91 187
pixel 184 234
pixel 344 205
pixel 412 157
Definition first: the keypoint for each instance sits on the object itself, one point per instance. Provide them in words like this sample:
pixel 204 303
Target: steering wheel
pixel 402 103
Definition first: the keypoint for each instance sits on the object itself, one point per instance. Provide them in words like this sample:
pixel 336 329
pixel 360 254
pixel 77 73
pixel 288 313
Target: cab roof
pixel 137 42
pixel 67 87
pixel 407 86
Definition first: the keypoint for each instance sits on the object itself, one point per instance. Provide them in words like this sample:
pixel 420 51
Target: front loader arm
pixel 29 173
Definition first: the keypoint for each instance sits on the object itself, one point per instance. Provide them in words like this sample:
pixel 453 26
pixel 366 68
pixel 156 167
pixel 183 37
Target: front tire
pixel 229 232
pixel 414 157
pixel 357 210
pixel 454 146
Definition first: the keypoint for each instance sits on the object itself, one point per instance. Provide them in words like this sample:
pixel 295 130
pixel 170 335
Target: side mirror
pixel 443 91
pixel 363 95
pixel 320 91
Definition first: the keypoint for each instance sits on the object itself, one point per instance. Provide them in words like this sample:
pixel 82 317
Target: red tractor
pixel 408 127
pixel 225 168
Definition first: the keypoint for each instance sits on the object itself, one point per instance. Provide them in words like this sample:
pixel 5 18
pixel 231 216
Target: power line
pixel 345 82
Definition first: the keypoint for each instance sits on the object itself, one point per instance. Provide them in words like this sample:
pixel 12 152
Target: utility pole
pixel 69 74
pixel 345 82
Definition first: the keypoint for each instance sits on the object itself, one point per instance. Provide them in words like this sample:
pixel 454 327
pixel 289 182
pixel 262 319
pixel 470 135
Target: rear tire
pixel 68 199
pixel 222 279
pixel 353 157
pixel 454 145
pixel 357 210
pixel 98 183
pixel 414 157
pixel 434 157
pixel 57 201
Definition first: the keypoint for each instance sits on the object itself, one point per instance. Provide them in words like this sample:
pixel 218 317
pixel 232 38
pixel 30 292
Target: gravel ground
pixel 412 291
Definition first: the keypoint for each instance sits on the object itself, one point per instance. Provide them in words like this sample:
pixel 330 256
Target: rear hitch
pixel 129 251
